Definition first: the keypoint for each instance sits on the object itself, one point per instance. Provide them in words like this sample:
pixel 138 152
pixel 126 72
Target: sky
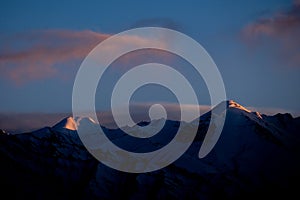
pixel 255 44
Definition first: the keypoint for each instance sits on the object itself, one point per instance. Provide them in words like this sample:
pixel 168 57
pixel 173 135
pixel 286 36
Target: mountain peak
pixel 233 104
pixel 229 105
pixel 67 123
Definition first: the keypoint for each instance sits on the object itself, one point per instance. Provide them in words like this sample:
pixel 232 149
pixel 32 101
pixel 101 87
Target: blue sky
pixel 255 45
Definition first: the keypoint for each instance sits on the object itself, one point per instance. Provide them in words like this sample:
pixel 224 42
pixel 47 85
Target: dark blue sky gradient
pixel 255 73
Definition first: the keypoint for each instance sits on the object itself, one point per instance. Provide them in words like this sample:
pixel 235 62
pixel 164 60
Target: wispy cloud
pixel 283 29
pixel 24 122
pixel 173 109
pixel 33 55
pixel 159 22
pixel 36 55
pixel 273 111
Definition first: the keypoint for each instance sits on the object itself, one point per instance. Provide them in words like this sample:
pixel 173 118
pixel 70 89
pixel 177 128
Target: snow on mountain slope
pixel 256 156
pixel 253 152
pixel 233 104
pixel 66 123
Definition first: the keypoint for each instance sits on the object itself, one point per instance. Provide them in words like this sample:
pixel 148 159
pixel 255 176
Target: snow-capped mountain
pixel 256 156
pixel 67 123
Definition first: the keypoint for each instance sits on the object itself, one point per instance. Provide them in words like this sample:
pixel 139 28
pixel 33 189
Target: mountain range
pixel 256 156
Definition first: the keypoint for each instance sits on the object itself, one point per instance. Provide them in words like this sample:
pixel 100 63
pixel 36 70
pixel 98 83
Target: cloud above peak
pixel 283 28
pixel 33 55
pixel 38 55
pixel 281 24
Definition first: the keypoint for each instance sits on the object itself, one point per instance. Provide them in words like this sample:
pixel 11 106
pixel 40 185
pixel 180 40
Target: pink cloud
pixel 35 55
pixel 282 29
pixel 32 55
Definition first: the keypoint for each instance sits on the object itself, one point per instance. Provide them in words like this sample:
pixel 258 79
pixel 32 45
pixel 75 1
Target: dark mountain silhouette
pixel 256 156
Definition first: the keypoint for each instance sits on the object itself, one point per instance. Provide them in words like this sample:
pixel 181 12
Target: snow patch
pixel 67 123
pixel 233 104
